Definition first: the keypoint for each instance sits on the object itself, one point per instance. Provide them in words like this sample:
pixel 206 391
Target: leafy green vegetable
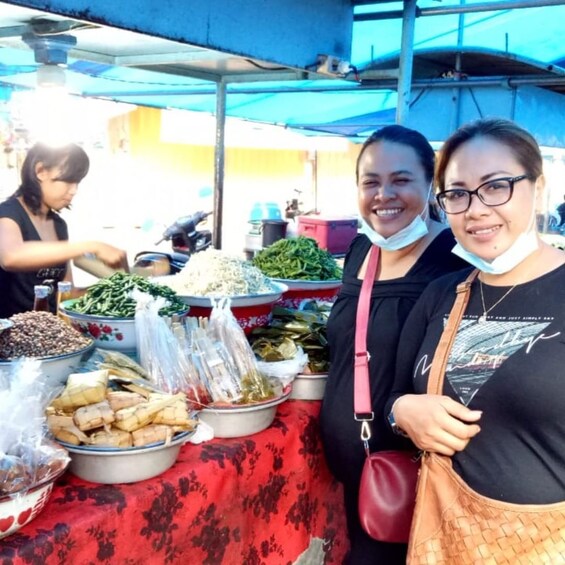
pixel 111 297
pixel 298 258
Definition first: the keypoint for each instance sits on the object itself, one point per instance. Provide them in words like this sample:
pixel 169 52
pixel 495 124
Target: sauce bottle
pixel 41 300
pixel 64 289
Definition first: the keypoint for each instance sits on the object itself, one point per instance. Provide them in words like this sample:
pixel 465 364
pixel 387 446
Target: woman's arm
pixel 19 255
pixel 433 422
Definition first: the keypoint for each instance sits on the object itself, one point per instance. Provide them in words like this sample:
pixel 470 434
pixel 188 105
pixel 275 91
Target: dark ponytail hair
pixel 71 159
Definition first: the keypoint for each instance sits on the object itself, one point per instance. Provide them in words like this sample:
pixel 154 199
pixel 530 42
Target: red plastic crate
pixel 333 234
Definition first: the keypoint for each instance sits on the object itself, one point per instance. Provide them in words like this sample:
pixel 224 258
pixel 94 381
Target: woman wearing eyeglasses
pixel 501 413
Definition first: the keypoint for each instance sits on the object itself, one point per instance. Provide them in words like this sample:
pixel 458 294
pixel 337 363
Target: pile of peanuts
pixel 39 334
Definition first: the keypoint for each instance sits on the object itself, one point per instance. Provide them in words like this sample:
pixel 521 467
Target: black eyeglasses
pixel 493 192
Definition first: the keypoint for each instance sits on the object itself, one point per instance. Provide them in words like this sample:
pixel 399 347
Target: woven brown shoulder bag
pixel 453 524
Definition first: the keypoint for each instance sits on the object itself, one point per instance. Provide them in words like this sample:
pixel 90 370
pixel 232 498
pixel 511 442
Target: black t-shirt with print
pixel 512 367
pixel 16 288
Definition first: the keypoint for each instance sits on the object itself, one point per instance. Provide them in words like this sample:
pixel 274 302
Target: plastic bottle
pixel 64 289
pixel 41 300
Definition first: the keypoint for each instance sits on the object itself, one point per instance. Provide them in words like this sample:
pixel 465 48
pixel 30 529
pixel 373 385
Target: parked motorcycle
pixel 185 238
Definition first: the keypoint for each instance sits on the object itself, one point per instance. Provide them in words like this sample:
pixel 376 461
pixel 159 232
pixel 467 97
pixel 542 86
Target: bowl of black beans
pixel 44 336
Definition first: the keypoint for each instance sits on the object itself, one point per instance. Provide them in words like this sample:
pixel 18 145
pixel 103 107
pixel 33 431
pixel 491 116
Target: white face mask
pixel 526 243
pixel 414 231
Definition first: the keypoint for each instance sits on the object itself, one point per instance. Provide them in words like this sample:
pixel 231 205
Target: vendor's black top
pixel 510 367
pixel 16 288
pixel 391 301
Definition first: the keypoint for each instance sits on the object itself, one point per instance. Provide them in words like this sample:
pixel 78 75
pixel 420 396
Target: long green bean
pixel 111 297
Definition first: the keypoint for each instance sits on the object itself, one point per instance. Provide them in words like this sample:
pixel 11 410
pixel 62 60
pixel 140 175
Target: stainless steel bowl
pixel 241 421
pixel 108 465
pixel 57 368
pixel 309 386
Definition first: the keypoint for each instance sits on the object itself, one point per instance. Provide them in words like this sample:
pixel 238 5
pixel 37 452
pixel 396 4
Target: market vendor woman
pixel 34 244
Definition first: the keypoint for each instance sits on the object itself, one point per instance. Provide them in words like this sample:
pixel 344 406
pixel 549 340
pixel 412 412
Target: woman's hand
pixel 436 423
pixel 111 256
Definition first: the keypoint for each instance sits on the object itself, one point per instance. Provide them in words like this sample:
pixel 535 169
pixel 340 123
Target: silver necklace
pixel 483 317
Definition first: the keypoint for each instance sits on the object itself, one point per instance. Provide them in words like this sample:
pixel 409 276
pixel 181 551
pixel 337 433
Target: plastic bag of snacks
pixel 27 455
pixel 285 369
pixel 160 353
pixel 216 371
pixel 237 353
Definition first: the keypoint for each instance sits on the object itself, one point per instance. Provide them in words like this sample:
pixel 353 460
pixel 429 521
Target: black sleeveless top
pixel 16 288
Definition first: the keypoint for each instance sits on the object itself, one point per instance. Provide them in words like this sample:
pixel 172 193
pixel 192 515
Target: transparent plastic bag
pixel 217 374
pixel 160 351
pixel 285 371
pixel 224 329
pixel 26 453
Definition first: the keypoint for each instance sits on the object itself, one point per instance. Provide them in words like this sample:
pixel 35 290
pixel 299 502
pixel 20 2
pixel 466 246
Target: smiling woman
pixel 495 426
pixel 394 173
pixel 34 242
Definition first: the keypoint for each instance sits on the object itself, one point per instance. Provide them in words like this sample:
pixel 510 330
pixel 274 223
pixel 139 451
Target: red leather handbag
pixel 387 493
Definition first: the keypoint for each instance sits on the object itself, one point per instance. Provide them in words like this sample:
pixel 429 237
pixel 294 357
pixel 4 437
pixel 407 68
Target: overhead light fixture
pixel 51 51
pixel 51 76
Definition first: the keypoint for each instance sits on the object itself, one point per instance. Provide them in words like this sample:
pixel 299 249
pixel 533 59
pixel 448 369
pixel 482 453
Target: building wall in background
pixel 149 183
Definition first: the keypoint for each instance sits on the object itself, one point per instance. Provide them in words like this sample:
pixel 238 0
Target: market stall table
pixel 261 499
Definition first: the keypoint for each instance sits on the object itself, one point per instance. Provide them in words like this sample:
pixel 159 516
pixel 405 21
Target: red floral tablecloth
pixel 263 499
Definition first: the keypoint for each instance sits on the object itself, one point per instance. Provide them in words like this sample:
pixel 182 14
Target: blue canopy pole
pixel 456 116
pixel 405 63
pixel 219 159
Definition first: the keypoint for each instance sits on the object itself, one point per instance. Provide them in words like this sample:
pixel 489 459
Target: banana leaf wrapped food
pixel 121 365
pixel 121 417
pixel 118 399
pixel 94 416
pixel 83 389
pixel 152 434
pixel 305 328
pixel 111 438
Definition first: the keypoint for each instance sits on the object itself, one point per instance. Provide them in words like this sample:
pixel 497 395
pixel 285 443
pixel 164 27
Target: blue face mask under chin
pixel 414 231
pixel 524 246
pixel 409 234
pixel 526 243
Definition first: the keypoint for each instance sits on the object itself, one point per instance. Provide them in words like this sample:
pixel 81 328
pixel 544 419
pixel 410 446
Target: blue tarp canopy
pixel 521 44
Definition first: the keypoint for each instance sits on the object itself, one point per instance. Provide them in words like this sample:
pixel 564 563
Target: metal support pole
pixel 489 7
pixel 219 155
pixel 406 60
pixel 457 91
pixel 446 10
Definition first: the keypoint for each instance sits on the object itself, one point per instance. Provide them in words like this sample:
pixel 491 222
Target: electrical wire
pixel 265 68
